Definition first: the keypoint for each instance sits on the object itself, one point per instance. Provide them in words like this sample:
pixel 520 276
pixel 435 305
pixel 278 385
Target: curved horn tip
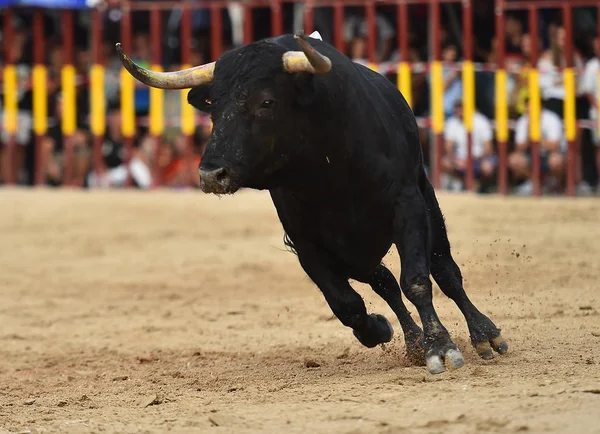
pixel 119 49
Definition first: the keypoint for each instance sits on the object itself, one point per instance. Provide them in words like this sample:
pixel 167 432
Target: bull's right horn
pixel 185 79
pixel 307 60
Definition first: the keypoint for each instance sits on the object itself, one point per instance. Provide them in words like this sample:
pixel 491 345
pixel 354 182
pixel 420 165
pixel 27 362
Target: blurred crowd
pixel 174 159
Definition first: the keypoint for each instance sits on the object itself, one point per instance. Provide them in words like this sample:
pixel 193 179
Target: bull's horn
pixel 307 60
pixel 185 79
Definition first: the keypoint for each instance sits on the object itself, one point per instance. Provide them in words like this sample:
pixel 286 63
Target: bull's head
pixel 254 95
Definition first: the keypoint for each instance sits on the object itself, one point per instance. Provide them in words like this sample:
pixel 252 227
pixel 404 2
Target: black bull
pixel 337 146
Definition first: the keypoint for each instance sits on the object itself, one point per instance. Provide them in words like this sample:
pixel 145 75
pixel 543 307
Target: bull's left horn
pixel 307 60
pixel 185 79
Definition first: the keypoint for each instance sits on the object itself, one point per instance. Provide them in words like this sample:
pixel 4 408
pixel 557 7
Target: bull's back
pixel 392 109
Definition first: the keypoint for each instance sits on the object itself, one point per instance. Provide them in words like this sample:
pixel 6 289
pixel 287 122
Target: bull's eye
pixel 268 103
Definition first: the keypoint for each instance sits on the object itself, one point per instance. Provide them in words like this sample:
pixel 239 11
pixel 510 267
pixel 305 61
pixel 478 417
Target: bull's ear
pixel 199 97
pixel 305 89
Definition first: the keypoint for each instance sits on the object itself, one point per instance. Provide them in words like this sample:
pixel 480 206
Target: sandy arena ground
pixel 180 312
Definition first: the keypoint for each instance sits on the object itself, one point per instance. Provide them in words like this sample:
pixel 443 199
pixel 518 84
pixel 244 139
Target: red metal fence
pixel 157 119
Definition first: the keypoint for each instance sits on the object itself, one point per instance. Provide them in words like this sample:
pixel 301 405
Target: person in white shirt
pixel 551 78
pixel 589 81
pixel 589 85
pixel 553 147
pixel 454 162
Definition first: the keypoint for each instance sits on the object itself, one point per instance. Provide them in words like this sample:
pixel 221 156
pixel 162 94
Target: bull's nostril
pixel 221 175
pixel 214 180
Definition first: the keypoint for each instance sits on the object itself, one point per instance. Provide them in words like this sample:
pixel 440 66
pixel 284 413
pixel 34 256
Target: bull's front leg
pixel 345 303
pixel 412 238
pixel 385 284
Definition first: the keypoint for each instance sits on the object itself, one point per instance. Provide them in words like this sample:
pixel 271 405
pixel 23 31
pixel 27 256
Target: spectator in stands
pixel 551 78
pixel 552 152
pixel 589 84
pixel 520 92
pixel 24 134
pixel 356 34
pixel 513 35
pixel 113 171
pixel 179 167
pixel 483 29
pixel 53 148
pixel 454 162
pixel 551 81
pixel 453 88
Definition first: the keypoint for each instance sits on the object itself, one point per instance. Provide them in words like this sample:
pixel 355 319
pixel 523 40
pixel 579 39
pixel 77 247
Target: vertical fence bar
pixel 97 96
pixel 338 26
pixel 216 30
pixel 276 18
pixel 535 110
pixel 156 95
pixel 10 100
pixel 309 21
pixel 501 102
pixel 187 111
pixel 404 74
pixel 468 78
pixel 69 101
pixel 437 92
pixel 248 23
pixel 40 93
pixel 128 126
pixel 371 14
pixel 569 107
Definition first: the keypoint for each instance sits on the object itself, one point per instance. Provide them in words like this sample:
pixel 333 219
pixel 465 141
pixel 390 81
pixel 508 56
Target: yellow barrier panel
pixel 10 99
pixel 69 103
pixel 468 78
pixel 40 100
pixel 404 81
pixel 437 97
pixel 97 100
pixel 535 109
pixel 127 104
pixel 157 123
pixel 569 109
pixel 501 106
pixel 187 112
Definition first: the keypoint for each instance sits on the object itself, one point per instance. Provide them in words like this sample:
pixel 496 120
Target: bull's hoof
pixel 485 336
pixel 377 330
pixel 442 354
pixel 484 348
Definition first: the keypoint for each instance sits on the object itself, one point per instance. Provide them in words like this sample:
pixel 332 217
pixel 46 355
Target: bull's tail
pixel 289 244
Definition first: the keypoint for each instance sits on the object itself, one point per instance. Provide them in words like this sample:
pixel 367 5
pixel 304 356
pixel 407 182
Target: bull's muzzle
pixel 216 181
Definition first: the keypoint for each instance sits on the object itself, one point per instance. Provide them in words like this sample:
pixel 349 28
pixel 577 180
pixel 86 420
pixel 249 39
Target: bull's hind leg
pixel 345 303
pixel 386 286
pixel 484 333
pixel 412 238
